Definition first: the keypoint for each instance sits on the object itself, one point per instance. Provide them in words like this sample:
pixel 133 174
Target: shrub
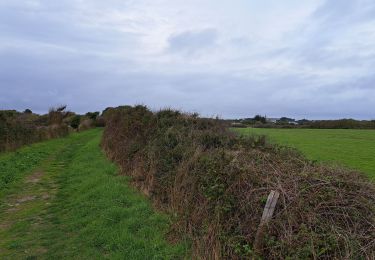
pixel 100 122
pixel 75 121
pixel 216 185
pixel 92 115
pixel 86 124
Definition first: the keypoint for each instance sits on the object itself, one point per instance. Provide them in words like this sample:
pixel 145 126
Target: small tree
pixel 56 115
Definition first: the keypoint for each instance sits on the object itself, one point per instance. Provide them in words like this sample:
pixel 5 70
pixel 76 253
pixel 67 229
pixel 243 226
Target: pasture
pixel 350 148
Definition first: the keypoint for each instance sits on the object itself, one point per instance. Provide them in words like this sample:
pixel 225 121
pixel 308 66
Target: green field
pixel 351 148
pixel 62 199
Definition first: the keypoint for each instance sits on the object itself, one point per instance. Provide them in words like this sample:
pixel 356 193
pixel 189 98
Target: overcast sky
pixel 311 58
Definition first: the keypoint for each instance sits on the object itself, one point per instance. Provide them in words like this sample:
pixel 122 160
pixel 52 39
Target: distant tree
pixel 28 111
pixel 303 122
pixel 286 119
pixel 92 115
pixel 259 118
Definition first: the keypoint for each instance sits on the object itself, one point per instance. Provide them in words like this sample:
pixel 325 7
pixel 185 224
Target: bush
pixel 86 124
pixel 92 115
pixel 75 121
pixel 100 122
pixel 216 185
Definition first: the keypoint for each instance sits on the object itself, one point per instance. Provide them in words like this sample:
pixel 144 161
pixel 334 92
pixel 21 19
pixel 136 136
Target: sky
pixel 304 59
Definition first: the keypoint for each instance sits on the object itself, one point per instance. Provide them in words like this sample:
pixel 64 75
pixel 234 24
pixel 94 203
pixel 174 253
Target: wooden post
pixel 267 215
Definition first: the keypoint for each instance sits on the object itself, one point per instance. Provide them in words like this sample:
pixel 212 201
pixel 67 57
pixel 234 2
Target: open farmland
pixel 351 148
pixel 179 187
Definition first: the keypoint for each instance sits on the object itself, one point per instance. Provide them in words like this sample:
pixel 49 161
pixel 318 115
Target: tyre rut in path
pixel 72 204
pixel 24 213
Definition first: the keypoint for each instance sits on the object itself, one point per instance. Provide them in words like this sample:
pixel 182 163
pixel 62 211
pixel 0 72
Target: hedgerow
pixel 18 129
pixel 216 184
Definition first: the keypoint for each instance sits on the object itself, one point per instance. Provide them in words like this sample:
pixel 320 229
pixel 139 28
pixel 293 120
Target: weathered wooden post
pixel 267 215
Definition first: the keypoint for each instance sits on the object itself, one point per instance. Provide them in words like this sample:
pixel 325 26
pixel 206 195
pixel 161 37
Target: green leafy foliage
pixel 92 115
pixel 76 120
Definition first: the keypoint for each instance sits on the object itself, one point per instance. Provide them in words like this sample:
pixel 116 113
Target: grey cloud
pixel 61 28
pixel 192 41
pixel 339 12
pixel 51 54
pixel 330 38
pixel 83 89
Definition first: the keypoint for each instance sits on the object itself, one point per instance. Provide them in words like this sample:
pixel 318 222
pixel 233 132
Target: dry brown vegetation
pixel 18 129
pixel 215 184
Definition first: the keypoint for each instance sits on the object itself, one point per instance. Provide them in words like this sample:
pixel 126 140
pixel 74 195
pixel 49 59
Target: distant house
pixel 287 120
pixel 272 120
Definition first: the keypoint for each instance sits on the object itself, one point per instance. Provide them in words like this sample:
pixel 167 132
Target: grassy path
pixel 63 200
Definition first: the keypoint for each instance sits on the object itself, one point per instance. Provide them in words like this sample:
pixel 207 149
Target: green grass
pixel 14 166
pixel 351 148
pixel 90 212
